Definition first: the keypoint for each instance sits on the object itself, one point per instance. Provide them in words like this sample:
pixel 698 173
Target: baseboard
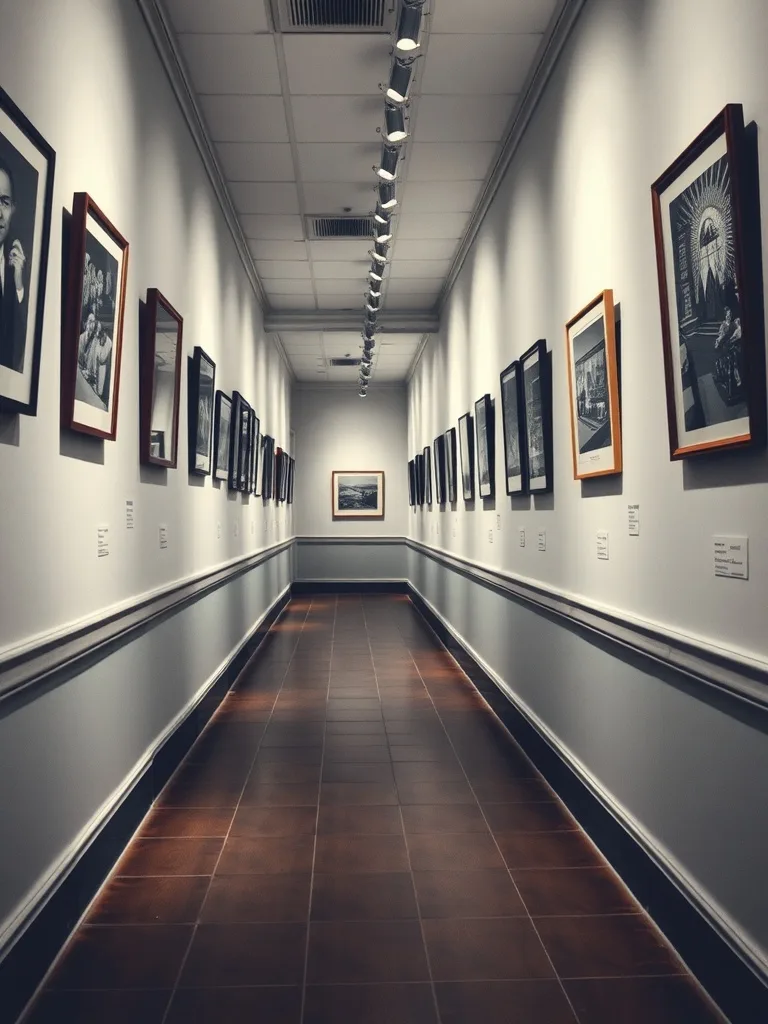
pixel 349 587
pixel 735 985
pixel 41 937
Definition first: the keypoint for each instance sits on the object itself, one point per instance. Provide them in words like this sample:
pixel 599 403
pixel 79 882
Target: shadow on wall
pixel 10 429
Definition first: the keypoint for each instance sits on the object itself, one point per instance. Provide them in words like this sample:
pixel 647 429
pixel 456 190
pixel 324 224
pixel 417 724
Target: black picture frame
pixel 268 468
pixel 438 449
pixel 467 453
pixel 291 477
pixel 253 444
pixel 31 162
pixel 419 466
pixel 412 482
pixel 485 440
pixel 450 465
pixel 222 436
pixel 513 429
pixel 427 453
pixel 239 408
pixel 201 398
pixel 537 397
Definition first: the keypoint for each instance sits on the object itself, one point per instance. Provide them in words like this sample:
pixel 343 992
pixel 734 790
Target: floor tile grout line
pixel 196 925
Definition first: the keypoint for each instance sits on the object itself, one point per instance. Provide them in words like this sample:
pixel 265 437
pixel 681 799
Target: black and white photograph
pixel 420 481
pixel 450 464
pixel 486 447
pixel 202 388
pixel 537 398
pixel 427 475
pixel 438 452
pixel 254 442
pixel 258 461
pixel 268 468
pixel 412 482
pixel 238 450
pixel 710 341
pixel 467 455
pixel 26 195
pixel 594 389
pixel 94 322
pixel 160 380
pixel 357 494
pixel 513 423
pixel 221 436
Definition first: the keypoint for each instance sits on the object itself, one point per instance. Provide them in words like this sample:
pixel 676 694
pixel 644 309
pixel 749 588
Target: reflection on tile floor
pixel 356 838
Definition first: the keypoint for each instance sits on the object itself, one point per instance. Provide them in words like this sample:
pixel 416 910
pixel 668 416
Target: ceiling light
pixel 387 195
pixel 394 119
pixel 379 252
pixel 409 25
pixel 383 231
pixel 373 293
pixel 372 304
pixel 365 371
pixel 389 157
pixel 376 273
pixel 400 79
pixel 371 317
pixel 362 392
pixel 366 360
pixel 367 337
pixel 381 216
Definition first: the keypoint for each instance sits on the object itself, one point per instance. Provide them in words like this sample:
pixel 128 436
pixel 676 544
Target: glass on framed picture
pixel 537 397
pixel 222 436
pixel 450 464
pixel 427 475
pixel 513 422
pixel 357 494
pixel 484 430
pixel 467 453
pixel 202 391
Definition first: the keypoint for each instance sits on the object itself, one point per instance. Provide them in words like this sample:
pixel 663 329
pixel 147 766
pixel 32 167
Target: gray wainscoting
pixel 350 559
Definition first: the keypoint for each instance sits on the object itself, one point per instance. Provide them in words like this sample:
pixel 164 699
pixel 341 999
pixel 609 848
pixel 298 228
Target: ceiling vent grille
pixel 345 362
pixel 336 15
pixel 339 227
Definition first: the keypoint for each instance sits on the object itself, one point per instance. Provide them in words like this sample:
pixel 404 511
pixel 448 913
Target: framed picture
pixel 450 464
pixel 253 452
pixel 222 435
pixel 486 447
pixel 291 475
pixel 258 463
pixel 27 165
pixel 513 422
pixel 279 473
pixel 202 388
pixel 438 448
pixel 412 482
pixel 537 396
pixel 268 468
pixel 428 475
pixel 159 380
pixel 357 494
pixel 467 452
pixel 241 448
pixel 420 484
pixel 92 331
pixel 593 387
pixel 713 349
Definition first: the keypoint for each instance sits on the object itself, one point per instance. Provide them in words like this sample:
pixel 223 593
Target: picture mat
pixel 534 423
pixel 358 494
pixel 597 443
pixel 510 411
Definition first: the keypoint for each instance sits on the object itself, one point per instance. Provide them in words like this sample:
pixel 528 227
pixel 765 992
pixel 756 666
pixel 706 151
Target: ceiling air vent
pixel 336 15
pixel 344 362
pixel 339 227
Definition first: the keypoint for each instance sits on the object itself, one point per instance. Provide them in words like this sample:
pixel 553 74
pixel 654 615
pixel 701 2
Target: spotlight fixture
pixel 372 304
pixel 365 371
pixel 409 26
pixel 394 123
pixel 387 195
pixel 379 252
pixel 400 79
pixel 362 392
pixel 376 273
pixel 367 336
pixel 389 158
pixel 383 230
pixel 366 360
pixel 373 293
pixel 371 317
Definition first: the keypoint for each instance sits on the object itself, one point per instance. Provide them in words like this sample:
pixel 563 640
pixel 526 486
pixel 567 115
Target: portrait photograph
pixel 513 423
pixel 484 430
pixel 467 455
pixel 593 388
pixel 537 398
pixel 357 494
pixel 713 345
pixel 202 389
pixel 93 327
pixel 27 165
pixel 159 380
pixel 221 436
pixel 450 464
pixel 427 475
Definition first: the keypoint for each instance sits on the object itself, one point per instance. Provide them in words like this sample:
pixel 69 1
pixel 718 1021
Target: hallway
pixel 356 838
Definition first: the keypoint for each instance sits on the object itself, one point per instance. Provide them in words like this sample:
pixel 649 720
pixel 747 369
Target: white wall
pixel 572 217
pixel 335 429
pixel 119 135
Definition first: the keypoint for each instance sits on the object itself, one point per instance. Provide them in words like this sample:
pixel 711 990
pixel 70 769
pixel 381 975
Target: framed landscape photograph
pixel 27 165
pixel 513 422
pixel 438 449
pixel 537 396
pixel 420 482
pixel 92 330
pixel 412 482
pixel 202 389
pixel 593 387
pixel 428 475
pixel 357 494
pixel 159 381
pixel 713 346
pixel 486 447
pixel 467 453
pixel 222 433
pixel 450 464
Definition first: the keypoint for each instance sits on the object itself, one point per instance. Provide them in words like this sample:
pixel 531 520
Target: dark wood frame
pixel 147 348
pixel 470 455
pixel 730 123
pixel 83 207
pixel 438 452
pixel 220 472
pixel 451 465
pixel 193 396
pixel 350 472
pixel 13 405
pixel 521 435
pixel 412 482
pixel 427 453
pixel 486 405
pixel 605 298
pixel 539 348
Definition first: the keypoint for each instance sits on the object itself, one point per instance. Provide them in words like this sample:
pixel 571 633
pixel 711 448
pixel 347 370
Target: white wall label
pixel 522 538
pixel 602 544
pixel 732 557
pixel 218 531
pixel 102 540
pixel 633 514
pixel 130 513
pixel 490 536
pixel 498 522
pixel 163 536
pixel 542 540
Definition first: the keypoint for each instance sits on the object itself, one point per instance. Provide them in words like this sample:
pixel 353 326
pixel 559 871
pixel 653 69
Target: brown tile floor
pixel 355 838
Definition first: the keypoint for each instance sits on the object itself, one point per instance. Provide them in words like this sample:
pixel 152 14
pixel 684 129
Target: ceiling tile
pixel 334 197
pixel 222 16
pixel 425 249
pixel 414 301
pixel 300 338
pixel 336 64
pixel 282 269
pixel 439 197
pixel 257 161
pixel 347 270
pixel 411 268
pixel 352 286
pixel 492 16
pixel 263 249
pixel 292 302
pixel 330 301
pixel 336 118
pixel 491 64
pixel 341 338
pixel 389 376
pixel 450 161
pixel 338 161
pixel 420 285
pixel 352 249
pixel 287 286
pixel 245 118
pixel 312 376
pixel 463 118
pixel 232 64
pixel 260 226
pixel 431 225
pixel 264 197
